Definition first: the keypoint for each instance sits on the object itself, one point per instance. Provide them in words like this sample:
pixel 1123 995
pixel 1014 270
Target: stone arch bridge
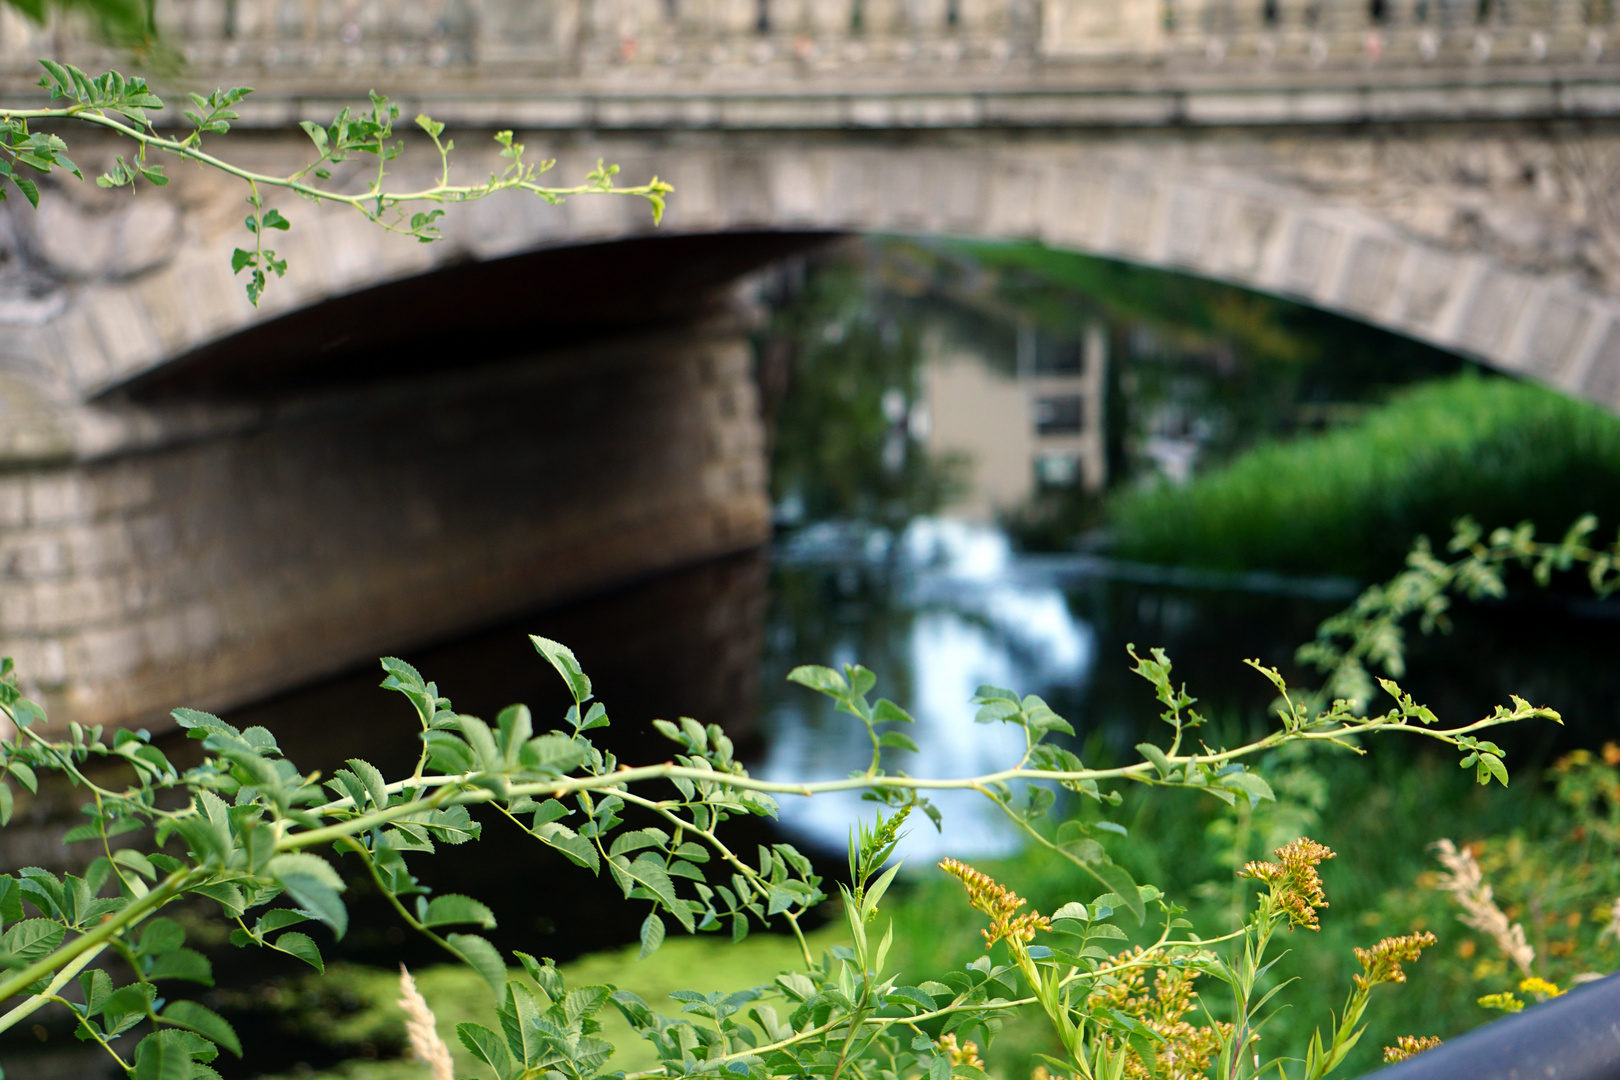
pixel 201 501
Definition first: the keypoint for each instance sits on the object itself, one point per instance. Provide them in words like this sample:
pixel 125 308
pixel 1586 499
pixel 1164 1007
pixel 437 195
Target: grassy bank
pixel 367 1020
pixel 1352 500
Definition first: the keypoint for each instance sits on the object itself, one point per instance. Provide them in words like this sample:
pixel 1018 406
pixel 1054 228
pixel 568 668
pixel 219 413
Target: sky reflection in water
pixel 975 618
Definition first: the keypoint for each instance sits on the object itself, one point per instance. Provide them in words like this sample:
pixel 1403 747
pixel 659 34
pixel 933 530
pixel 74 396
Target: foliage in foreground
pixel 353 1009
pixel 1548 849
pixel 1352 501
pixel 363 138
pixel 246 830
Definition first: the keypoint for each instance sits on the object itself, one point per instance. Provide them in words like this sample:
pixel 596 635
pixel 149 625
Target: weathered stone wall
pixel 302 536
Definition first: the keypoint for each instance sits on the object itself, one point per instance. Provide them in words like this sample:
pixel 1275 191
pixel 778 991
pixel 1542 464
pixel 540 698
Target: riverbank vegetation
pixel 1547 846
pixel 1352 500
pixel 279 837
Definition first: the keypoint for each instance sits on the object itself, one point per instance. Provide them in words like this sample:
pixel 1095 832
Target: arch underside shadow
pixel 468 314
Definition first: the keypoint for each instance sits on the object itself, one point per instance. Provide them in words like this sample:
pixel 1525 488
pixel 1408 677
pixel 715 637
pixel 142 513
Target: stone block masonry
pixel 314 534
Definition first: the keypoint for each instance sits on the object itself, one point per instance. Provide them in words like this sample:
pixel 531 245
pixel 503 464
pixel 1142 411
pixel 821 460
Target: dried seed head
pixel 998 902
pixel 423 1030
pixel 1294 882
pixel 1382 962
pixel 1466 881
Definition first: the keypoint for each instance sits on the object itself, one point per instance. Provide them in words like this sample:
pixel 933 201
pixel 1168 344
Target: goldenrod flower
pixel 1295 884
pixel 1187 1049
pixel 1504 1001
pixel 998 902
pixel 1407 1045
pixel 1539 987
pixel 1382 962
pixel 965 1054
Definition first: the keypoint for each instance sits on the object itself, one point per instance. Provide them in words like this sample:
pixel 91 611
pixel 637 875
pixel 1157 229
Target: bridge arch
pixel 1249 214
pixel 170 534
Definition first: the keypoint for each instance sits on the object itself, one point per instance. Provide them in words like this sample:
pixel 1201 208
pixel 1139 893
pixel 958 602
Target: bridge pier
pixel 209 553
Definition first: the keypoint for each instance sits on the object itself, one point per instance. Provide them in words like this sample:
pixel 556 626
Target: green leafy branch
pixel 124 106
pixel 1370 632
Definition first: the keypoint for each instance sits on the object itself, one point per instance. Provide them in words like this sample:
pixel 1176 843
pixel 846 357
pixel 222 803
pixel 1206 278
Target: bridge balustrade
pixel 336 42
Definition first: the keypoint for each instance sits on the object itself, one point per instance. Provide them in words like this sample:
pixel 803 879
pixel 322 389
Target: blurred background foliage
pixel 127 24
pixel 1352 500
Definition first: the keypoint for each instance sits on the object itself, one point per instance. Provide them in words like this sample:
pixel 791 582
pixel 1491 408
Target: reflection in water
pixel 930 387
pixel 967 616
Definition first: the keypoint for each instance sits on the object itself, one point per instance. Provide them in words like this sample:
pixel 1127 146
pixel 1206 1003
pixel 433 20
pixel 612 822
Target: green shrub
pixel 1351 501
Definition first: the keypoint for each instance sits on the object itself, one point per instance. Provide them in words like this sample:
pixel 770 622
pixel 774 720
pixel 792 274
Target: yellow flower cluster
pixel 1382 962
pixel 1187 1049
pixel 1504 1001
pixel 1540 987
pixel 964 1054
pixel 1407 1045
pixel 1295 884
pixel 998 902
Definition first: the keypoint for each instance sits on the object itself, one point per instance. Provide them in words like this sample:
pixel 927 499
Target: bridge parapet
pixel 321 48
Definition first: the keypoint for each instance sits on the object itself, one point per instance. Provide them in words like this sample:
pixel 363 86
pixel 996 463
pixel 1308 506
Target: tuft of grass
pixel 456 994
pixel 1351 501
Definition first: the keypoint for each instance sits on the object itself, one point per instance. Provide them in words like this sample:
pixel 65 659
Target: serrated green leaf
pixel 163 1055
pixel 816 677
pixel 562 658
pixel 652 935
pixel 205 1022
pixel 160 935
pixel 452 909
pixel 487 1047
pixel 1251 784
pixel 482 957
pixel 1155 755
pixel 303 947
pixel 187 964
pixel 313 895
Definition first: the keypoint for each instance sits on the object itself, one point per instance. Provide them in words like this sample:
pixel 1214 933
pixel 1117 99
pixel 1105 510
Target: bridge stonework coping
pixel 1452 180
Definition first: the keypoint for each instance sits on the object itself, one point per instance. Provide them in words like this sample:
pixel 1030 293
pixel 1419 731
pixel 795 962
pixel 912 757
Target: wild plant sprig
pixel 1370 633
pixel 124 106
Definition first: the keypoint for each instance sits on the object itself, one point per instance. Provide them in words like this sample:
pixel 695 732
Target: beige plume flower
pixel 423 1030
pixel 1466 881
